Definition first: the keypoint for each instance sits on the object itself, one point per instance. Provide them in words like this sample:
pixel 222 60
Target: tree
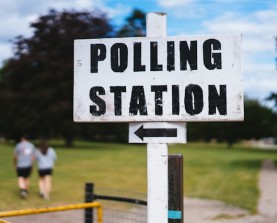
pixel 135 25
pixel 37 83
pixel 260 121
pixel 272 97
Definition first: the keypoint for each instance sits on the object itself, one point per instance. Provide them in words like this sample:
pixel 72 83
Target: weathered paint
pixel 155 82
pixel 157 153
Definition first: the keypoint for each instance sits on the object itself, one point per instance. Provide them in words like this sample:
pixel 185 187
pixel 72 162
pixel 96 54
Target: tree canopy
pixel 37 82
pixel 259 121
pixel 135 25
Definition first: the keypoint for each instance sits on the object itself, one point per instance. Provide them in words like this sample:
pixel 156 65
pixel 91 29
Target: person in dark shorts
pixel 23 160
pixel 45 157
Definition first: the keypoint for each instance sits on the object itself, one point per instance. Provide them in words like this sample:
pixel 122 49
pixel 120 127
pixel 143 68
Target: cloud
pixel 117 12
pixel 258 30
pixel 5 50
pixel 259 87
pixel 16 16
pixel 174 3
pixel 14 26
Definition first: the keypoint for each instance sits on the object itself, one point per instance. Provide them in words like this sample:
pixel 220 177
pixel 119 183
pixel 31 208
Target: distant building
pixel 267 142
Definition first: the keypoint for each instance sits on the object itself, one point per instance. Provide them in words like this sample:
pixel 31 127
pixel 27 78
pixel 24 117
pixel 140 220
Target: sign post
pixel 157 154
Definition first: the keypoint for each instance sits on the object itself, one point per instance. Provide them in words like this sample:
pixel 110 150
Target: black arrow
pixel 141 132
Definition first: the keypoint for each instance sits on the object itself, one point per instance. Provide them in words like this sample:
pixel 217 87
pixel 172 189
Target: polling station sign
pixel 178 78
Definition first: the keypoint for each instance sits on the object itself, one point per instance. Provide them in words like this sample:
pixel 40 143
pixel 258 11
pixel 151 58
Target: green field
pixel 210 171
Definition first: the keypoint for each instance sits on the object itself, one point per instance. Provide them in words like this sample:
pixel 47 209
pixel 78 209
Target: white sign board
pixel 182 78
pixel 157 132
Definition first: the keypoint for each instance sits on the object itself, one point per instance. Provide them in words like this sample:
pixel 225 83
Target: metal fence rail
pixel 96 205
pixel 121 199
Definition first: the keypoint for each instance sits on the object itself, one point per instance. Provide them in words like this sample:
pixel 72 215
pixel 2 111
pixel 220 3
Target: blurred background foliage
pixel 36 85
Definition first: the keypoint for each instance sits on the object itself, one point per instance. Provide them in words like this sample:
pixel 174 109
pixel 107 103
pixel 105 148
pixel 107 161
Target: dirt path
pixel 268 187
pixel 197 210
pixel 206 211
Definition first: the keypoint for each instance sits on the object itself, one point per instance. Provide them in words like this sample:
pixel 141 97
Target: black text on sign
pixel 158 79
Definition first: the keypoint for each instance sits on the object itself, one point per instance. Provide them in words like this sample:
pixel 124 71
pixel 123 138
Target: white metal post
pixel 157 183
pixel 157 154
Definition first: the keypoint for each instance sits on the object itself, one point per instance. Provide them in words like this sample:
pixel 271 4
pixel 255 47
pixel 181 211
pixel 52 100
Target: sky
pixel 256 20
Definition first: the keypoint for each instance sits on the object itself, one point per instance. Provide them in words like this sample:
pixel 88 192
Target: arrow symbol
pixel 165 132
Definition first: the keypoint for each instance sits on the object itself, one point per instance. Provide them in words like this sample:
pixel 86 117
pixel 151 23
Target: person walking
pixel 23 158
pixel 46 157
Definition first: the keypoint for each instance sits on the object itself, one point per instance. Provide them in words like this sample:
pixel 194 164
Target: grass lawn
pixel 210 171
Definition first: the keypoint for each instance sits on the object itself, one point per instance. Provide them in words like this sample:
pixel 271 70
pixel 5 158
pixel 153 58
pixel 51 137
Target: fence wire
pixel 120 211
pixel 128 213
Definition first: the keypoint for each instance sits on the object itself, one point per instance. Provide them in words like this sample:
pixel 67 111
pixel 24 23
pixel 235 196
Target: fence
pixel 112 209
pixel 116 208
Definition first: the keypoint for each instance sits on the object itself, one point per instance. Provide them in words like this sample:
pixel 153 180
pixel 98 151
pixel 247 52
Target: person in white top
pixel 23 158
pixel 46 157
